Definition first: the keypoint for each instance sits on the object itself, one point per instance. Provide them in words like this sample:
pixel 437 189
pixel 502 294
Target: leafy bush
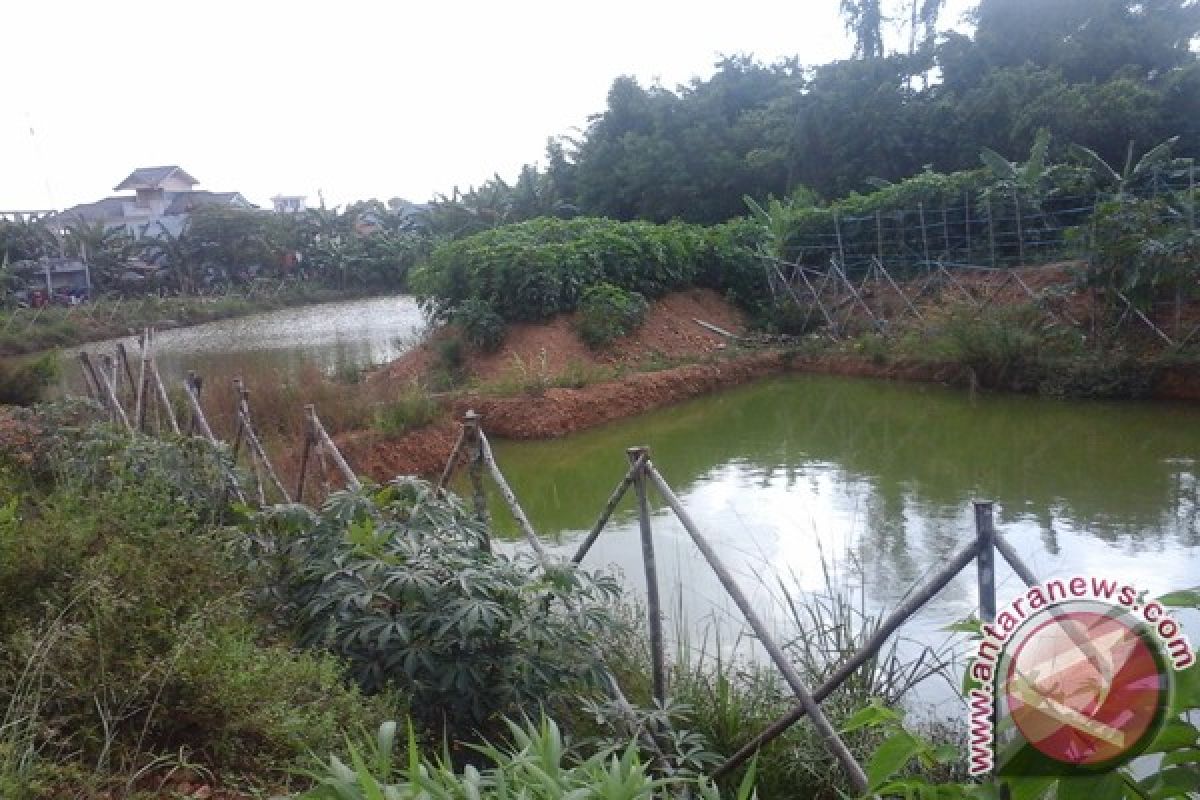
pixel 607 313
pixel 533 270
pixel 414 598
pixel 482 326
pixel 1144 247
pixel 25 384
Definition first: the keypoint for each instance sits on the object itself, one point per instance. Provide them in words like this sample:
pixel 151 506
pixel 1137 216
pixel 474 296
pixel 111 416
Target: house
pixel 289 203
pixel 162 199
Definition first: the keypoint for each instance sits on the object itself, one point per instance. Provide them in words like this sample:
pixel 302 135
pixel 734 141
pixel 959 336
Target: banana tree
pixel 1133 173
pixel 1030 178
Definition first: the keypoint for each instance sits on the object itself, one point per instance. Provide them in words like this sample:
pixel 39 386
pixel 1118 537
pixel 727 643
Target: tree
pixel 864 20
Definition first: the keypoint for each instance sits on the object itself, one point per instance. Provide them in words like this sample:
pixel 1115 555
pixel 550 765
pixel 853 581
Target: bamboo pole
pixel 89 371
pixel 609 508
pixel 451 462
pixel 143 382
pixel 899 291
pixel 985 560
pixel 238 398
pixel 858 778
pixel 123 360
pixel 163 398
pixel 945 229
pixel 327 445
pixel 1020 228
pixel 991 229
pixel 1138 313
pixel 924 234
pixel 967 222
pixel 190 386
pixel 304 455
pixel 901 614
pixel 107 392
pixel 256 447
pixel 639 456
pixel 475 465
pixel 510 499
pixel 87 383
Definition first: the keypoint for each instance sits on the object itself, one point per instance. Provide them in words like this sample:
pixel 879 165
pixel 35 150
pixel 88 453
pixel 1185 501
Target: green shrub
pixel 126 635
pixel 533 270
pixel 23 384
pixel 607 313
pixel 419 602
pixel 450 368
pixel 482 326
pixel 414 408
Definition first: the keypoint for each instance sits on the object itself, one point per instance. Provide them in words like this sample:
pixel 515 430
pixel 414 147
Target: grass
pixel 413 408
pixel 129 647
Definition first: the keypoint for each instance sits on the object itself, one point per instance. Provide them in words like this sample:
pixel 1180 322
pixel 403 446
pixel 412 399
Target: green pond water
pixel 874 482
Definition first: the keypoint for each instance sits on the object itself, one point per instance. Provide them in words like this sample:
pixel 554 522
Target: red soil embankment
pixel 669 331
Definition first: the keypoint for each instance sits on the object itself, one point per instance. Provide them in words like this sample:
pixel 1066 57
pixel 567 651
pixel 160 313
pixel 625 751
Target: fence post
pixel 475 465
pixel 858 778
pixel 309 441
pixel 924 236
pixel 967 222
pixel 637 458
pixel 1020 227
pixel 945 228
pixel 991 229
pixel 985 560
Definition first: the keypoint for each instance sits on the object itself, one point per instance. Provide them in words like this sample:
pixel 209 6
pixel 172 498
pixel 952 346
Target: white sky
pixel 360 99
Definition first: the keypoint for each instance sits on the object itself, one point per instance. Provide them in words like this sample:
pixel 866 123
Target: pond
pixel 868 485
pixel 338 338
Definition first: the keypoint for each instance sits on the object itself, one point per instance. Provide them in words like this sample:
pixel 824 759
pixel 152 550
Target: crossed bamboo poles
pixel 472 446
pixel 105 375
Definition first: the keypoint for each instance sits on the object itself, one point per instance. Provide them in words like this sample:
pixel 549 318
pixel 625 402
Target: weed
pixel 414 408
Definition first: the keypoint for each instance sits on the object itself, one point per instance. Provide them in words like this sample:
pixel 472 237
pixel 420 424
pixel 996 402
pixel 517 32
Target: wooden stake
pixel 328 446
pixel 510 499
pixel 985 561
pixel 163 398
pixel 901 614
pixel 475 465
pixel 858 778
pixel 609 508
pixel 658 657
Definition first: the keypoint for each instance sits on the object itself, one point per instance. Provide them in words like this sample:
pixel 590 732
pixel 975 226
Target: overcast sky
pixel 358 99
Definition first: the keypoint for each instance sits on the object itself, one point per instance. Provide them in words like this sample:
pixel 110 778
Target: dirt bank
pixel 558 412
pixel 551 348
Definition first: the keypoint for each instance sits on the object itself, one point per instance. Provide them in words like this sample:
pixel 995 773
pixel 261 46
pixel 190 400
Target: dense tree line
pixel 1097 73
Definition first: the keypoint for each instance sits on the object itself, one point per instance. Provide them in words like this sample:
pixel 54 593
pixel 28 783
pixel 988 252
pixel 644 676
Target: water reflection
pixel 335 337
pixel 790 475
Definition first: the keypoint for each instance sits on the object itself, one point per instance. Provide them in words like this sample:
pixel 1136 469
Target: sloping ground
pixel 551 348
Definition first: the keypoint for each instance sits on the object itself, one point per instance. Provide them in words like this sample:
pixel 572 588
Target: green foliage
pixel 534 270
pixel 482 326
pixel 23 384
pixel 538 764
pixel 414 408
pixel 412 597
pixel 126 637
pixel 1144 248
pixel 607 312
